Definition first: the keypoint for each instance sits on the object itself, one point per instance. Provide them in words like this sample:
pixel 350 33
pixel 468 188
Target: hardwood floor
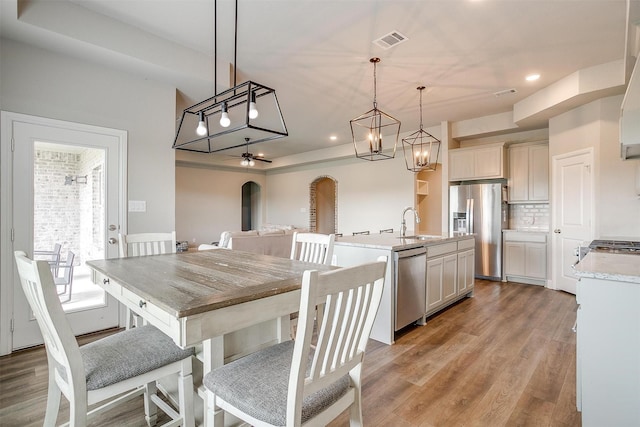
pixel 503 358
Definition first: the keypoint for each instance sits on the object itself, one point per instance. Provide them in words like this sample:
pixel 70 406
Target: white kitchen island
pixel 441 272
pixel 608 341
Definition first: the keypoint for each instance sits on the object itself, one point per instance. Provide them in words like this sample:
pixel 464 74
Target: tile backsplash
pixel 529 217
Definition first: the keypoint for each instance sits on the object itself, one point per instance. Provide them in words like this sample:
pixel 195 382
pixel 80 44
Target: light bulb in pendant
pixel 224 117
pixel 202 127
pixel 253 111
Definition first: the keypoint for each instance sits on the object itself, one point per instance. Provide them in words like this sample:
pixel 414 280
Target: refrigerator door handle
pixel 469 215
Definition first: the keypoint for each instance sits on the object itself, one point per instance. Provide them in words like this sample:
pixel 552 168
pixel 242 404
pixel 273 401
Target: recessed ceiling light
pixel 333 137
pixel 532 77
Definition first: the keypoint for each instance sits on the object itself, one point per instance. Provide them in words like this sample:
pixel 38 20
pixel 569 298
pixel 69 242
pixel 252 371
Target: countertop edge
pixel 605 266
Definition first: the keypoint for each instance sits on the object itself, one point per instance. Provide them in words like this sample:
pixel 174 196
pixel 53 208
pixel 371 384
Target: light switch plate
pixel 137 206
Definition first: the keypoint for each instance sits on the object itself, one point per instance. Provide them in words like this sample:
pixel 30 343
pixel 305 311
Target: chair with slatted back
pixel 292 383
pixel 145 244
pixel 312 247
pixel 109 371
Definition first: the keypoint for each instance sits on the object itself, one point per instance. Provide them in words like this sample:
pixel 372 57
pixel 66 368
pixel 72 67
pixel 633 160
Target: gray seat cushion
pixel 128 354
pixel 257 385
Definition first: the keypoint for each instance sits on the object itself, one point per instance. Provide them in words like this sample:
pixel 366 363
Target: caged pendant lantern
pixel 249 109
pixel 367 130
pixel 421 149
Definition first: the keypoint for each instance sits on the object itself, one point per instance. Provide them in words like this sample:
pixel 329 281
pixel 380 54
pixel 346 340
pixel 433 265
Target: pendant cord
pixel 215 47
pixel 421 108
pixel 235 46
pixel 375 86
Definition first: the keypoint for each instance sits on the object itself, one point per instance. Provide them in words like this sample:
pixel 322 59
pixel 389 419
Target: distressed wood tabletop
pixel 188 283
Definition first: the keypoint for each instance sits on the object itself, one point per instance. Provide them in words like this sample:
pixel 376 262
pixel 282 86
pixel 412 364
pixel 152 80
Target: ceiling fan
pixel 248 159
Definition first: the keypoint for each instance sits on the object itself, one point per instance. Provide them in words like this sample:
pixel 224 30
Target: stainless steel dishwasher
pixel 410 278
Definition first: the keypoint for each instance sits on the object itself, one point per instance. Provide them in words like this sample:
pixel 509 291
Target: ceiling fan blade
pixel 262 160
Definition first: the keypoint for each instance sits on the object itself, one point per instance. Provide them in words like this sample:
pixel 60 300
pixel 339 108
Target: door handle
pixel 113 241
pixel 557 231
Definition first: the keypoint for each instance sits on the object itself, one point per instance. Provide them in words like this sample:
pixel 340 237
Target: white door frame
pixel 7 270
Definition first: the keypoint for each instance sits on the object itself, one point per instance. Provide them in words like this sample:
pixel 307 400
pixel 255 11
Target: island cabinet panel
pixel 608 352
pixel 442 285
pixel 466 271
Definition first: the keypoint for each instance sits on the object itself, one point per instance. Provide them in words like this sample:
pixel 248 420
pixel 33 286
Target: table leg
pixel 213 357
pixel 283 328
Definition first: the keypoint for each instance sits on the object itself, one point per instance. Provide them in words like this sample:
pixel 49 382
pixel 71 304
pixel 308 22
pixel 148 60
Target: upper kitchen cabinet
pixel 529 173
pixel 483 162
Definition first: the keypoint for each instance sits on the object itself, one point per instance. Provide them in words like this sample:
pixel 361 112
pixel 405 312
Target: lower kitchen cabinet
pixel 608 352
pixel 525 257
pixel 466 271
pixel 450 269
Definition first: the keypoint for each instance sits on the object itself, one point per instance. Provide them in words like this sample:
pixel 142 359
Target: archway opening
pixel 251 206
pixel 323 212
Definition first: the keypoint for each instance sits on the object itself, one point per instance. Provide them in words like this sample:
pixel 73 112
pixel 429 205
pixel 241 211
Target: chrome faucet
pixel 403 227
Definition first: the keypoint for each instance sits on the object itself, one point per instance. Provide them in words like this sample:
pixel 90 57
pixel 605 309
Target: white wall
pixel 617 206
pixel 371 195
pixel 41 83
pixel 209 201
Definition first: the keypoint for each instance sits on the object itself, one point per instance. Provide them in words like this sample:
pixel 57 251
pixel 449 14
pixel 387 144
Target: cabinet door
pixel 539 172
pixel 518 174
pixel 536 260
pixel 514 253
pixel 465 271
pixel 449 281
pixel 488 162
pixel 461 165
pixel 435 278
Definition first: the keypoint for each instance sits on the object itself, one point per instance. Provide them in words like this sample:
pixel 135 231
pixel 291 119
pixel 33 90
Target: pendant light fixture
pixel 368 129
pixel 248 108
pixel 421 149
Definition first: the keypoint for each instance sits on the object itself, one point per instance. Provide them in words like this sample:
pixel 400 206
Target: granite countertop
pixel 618 267
pixel 393 241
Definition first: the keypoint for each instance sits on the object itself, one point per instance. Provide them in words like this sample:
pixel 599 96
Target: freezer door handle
pixel 470 216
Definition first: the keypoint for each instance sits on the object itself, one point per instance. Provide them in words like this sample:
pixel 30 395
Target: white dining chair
pixel 144 244
pixel 291 384
pixel 111 370
pixel 312 247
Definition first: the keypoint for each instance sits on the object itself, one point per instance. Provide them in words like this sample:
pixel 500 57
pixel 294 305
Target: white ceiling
pixel 315 53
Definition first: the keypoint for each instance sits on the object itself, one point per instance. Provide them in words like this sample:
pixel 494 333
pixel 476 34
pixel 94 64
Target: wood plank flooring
pixel 505 357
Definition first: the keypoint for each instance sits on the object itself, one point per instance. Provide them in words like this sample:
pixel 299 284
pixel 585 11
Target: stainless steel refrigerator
pixel 481 209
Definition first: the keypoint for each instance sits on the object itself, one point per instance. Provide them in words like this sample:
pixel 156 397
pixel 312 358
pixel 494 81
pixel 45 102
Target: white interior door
pixel 32 137
pixel 572 213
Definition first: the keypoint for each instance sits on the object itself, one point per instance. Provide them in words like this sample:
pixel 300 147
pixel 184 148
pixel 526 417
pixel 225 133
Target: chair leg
pixel 185 392
pixel 53 401
pixel 150 408
pixel 355 412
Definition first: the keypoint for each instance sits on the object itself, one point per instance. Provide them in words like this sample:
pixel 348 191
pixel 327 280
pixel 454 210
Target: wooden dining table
pixel 227 303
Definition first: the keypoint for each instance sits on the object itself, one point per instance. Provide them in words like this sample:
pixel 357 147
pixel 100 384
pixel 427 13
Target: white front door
pixel 101 154
pixel 572 205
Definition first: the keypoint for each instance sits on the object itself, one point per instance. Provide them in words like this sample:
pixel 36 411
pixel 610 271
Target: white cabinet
pixel 608 352
pixel 482 162
pixel 529 173
pixel 450 273
pixel 466 271
pixel 525 257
